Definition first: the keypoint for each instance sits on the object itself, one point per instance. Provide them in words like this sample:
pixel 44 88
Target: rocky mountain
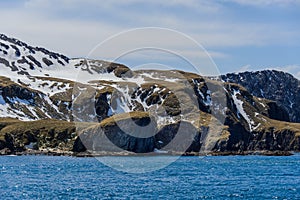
pixel 278 86
pixel 51 103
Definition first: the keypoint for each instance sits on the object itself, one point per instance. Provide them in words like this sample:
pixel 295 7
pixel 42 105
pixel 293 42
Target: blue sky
pixel 238 34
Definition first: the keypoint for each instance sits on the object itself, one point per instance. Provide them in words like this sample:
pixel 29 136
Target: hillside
pixel 274 85
pixel 51 103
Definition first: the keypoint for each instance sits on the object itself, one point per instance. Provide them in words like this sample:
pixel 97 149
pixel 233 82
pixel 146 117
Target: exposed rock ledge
pixel 54 137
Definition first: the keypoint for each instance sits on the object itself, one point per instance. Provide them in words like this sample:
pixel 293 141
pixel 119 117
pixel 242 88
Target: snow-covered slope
pixel 59 87
pixel 38 84
pixel 53 77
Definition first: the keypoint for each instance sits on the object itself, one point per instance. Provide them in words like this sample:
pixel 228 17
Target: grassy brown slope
pixel 54 134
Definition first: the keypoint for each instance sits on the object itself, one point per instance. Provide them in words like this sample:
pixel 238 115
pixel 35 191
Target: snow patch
pixel 263 105
pixel 159 151
pixel 240 109
pixel 256 127
pixel 2 101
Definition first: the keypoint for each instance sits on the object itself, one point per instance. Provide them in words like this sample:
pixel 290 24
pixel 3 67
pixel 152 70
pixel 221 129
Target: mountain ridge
pixel 227 116
pixel 275 85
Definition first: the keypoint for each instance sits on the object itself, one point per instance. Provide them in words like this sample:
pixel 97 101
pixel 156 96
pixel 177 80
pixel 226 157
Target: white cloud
pixel 77 20
pixel 74 27
pixel 291 69
pixel 244 68
pixel 73 38
pixel 262 3
pixel 201 6
pixel 298 75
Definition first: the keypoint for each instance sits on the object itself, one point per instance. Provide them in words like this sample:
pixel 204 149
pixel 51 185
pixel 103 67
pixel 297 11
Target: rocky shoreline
pixel 45 152
pixel 116 111
pixel 58 138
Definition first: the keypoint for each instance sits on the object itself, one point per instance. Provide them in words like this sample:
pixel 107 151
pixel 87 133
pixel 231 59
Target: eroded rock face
pixel 256 124
pixel 274 140
pixel 28 104
pixel 132 132
pixel 276 112
pixel 18 136
pixel 254 106
pixel 178 137
pixel 278 86
pixel 268 139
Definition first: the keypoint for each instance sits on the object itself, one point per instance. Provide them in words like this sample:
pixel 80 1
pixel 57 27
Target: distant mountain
pixel 49 102
pixel 274 85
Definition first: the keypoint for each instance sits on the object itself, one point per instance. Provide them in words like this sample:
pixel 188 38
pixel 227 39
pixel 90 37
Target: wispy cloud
pixel 74 27
pixel 209 27
pixel 292 69
pixel 262 3
pixel 244 68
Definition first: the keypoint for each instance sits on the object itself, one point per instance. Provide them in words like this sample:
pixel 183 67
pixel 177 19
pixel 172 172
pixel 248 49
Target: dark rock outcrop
pixel 274 85
pixel 277 112
pixel 267 139
pixel 178 137
pixel 32 104
pixel 17 42
pixel 132 132
pixel 253 109
pixel 18 136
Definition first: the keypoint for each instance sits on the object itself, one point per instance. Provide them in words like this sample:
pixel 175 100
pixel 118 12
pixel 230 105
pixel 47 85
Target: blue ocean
pixel 227 177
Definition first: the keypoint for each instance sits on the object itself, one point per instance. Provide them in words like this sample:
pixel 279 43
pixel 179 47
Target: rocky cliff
pixel 51 103
pixel 278 86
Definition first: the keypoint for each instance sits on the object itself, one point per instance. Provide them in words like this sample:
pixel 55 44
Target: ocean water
pixel 230 177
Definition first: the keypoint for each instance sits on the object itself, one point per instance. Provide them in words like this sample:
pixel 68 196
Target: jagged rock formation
pixel 19 136
pixel 97 106
pixel 120 133
pixel 278 86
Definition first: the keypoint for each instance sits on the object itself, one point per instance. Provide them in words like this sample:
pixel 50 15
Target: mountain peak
pixel 22 57
pixel 275 85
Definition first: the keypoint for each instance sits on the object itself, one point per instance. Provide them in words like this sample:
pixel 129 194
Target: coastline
pixel 129 154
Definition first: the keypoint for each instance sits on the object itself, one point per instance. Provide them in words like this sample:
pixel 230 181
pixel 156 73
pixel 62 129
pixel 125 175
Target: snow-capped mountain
pixel 37 84
pixel 50 78
pixel 274 85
